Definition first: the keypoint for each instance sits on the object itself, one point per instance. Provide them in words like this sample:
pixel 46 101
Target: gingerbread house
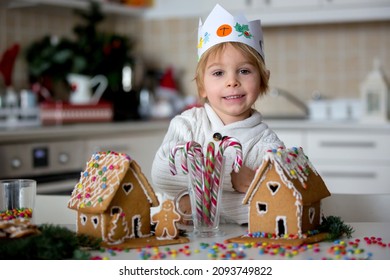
pixel 113 199
pixel 285 195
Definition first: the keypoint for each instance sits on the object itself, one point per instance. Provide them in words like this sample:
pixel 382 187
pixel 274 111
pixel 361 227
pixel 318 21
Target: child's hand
pixel 242 179
pixel 184 208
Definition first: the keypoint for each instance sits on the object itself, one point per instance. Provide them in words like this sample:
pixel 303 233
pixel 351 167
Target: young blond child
pixel 230 77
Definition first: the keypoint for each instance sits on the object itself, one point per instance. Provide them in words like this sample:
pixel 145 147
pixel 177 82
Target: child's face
pixel 231 84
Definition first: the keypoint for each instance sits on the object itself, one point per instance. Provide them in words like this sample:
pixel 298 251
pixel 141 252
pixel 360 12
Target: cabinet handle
pixel 341 144
pixel 335 174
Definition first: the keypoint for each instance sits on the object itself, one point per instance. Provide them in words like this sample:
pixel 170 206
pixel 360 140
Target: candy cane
pixel 232 142
pixel 208 181
pixel 195 157
pixel 223 145
pixel 172 163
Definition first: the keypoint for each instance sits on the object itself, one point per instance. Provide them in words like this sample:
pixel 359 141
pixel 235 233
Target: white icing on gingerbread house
pixel 285 195
pixel 113 199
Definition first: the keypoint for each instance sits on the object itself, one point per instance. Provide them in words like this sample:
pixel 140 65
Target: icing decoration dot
pixel 104 169
pixel 97 157
pixel 100 173
pixel 111 167
pixel 104 186
pixel 104 179
pixel 93 178
pixel 79 185
pixel 96 165
pixel 292 172
pixel 86 174
pixel 100 200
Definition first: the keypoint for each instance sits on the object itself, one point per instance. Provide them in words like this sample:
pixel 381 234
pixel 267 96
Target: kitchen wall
pixel 26 25
pixel 331 58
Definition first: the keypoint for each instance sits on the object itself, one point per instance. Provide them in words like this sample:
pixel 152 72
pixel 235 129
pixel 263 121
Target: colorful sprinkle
pixel 15 213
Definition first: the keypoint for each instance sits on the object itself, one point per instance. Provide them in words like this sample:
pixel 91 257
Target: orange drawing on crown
pixel 224 30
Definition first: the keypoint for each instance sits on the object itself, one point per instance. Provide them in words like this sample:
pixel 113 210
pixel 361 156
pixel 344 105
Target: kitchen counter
pixel 77 131
pixel 200 248
pixel 20 134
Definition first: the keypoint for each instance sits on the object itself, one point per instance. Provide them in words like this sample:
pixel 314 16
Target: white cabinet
pixel 292 138
pixel 107 7
pixel 140 146
pixel 271 12
pixel 352 161
pixel 283 12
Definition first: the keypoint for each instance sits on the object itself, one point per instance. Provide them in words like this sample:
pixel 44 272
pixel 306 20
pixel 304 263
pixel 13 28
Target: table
pixel 369 241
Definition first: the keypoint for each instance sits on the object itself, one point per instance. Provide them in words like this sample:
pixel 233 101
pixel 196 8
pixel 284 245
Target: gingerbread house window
pixel 83 219
pixel 262 207
pixel 127 188
pixel 115 210
pixel 273 187
pixel 312 212
pixel 95 221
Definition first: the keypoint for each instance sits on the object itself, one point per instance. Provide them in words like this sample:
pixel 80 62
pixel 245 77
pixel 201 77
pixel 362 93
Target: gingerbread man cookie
pixel 166 221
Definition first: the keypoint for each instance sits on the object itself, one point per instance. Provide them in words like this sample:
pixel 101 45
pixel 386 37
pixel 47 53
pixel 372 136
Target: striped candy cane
pixel 172 164
pixel 223 145
pixel 208 181
pixel 195 157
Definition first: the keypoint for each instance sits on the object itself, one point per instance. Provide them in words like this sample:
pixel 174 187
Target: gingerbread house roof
pixel 102 178
pixel 295 170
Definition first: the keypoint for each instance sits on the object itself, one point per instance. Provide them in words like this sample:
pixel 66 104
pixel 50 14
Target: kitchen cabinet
pixel 271 12
pixel 278 12
pixel 107 7
pixel 55 155
pixel 140 146
pixel 351 158
pixel 292 137
pixel 354 161
pixel 284 12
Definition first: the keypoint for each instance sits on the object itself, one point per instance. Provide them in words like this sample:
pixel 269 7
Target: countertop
pixel 357 247
pixel 82 130
pixel 20 134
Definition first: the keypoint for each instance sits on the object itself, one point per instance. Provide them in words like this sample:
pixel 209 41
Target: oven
pixel 55 165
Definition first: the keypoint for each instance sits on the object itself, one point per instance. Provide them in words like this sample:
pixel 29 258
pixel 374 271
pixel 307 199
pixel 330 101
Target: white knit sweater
pixel 199 125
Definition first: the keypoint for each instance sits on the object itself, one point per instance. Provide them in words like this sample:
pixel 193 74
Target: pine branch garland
pixel 53 243
pixel 336 227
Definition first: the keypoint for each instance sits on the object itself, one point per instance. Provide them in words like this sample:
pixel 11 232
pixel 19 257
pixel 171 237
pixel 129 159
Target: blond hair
pixel 251 54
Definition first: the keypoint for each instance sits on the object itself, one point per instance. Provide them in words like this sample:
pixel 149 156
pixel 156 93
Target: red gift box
pixel 65 113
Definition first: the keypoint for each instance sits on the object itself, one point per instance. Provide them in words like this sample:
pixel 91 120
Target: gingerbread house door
pixel 281 225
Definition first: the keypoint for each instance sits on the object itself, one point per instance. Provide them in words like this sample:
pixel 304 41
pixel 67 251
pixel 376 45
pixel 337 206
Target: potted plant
pixel 92 52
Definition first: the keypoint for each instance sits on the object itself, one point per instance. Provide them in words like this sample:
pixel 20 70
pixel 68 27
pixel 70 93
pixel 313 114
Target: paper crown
pixel 220 26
